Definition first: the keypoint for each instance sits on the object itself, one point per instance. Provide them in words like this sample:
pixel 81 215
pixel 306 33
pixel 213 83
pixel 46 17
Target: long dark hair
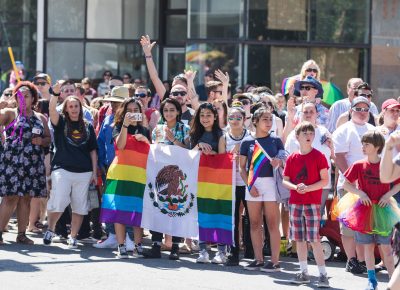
pixel 197 129
pixel 120 114
pixel 173 102
pixel 68 121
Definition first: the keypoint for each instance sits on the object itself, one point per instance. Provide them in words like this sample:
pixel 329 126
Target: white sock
pixel 322 270
pixel 303 266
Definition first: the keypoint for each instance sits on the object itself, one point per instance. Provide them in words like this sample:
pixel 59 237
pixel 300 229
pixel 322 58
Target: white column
pixel 40 35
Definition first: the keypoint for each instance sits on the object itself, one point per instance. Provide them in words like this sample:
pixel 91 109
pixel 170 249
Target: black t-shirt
pixel 270 144
pixel 73 146
pixel 211 139
pixel 187 116
pixel 132 130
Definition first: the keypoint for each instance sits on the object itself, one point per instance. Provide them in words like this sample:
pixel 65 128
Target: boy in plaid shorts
pixel 305 174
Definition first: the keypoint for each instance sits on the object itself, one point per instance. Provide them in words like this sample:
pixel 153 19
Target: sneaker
pixel 153 253
pixel 371 286
pixel 353 266
pixel 232 261
pixel 255 265
pixel 72 243
pixel 323 281
pixel 58 238
pixel 122 252
pixel 109 243
pixel 363 266
pixel 195 246
pixel 138 251
pixel 203 257
pixel 271 267
pixel 174 255
pixel 130 245
pixel 220 258
pixel 301 278
pixel 48 237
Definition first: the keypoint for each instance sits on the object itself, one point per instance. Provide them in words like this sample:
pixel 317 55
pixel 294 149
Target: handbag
pixel 282 193
pixel 333 212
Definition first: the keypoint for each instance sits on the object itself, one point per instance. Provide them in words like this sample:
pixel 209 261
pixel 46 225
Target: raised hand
pixel 224 78
pixel 147 45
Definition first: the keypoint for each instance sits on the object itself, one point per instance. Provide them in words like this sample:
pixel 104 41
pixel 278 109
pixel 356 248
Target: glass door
pixel 173 62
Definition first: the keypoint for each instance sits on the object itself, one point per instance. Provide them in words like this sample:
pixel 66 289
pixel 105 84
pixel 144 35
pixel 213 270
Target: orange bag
pixel 333 212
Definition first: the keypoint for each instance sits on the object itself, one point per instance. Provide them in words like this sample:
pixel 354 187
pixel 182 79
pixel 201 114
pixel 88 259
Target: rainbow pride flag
pixel 259 158
pixel 215 198
pixel 122 201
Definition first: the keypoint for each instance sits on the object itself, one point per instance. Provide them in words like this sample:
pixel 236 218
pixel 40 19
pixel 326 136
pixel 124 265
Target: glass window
pixel 269 65
pixel 127 19
pixel 66 18
pixel 64 60
pixel 177 28
pixel 338 65
pixel 344 22
pixel 215 19
pixel 177 4
pixel 275 20
pixel 119 58
pixel 206 56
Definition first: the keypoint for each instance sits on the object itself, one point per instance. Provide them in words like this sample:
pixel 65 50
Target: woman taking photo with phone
pixel 22 171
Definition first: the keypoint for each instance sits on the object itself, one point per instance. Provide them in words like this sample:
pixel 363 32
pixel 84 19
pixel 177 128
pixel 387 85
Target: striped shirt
pixel 338 108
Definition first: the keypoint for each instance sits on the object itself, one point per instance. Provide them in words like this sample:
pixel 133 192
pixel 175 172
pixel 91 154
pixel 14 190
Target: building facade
pixel 256 41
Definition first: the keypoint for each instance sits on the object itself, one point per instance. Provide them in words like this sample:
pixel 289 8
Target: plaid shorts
pixel 304 222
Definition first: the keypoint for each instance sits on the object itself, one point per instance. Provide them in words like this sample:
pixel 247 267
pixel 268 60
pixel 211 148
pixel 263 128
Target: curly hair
pixel 32 88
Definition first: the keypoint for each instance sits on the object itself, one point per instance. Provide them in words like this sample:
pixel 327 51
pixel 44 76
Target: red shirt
pixel 305 169
pixel 367 176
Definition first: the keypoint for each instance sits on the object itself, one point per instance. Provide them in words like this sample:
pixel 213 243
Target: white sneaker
pixel 109 243
pixel 203 257
pixel 130 245
pixel 220 258
pixel 137 251
pixel 72 243
pixel 58 239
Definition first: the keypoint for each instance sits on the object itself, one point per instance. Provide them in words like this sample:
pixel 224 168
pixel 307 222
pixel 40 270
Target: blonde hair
pixel 307 65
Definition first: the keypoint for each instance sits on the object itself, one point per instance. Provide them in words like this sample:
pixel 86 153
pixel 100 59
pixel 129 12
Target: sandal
pixel 23 239
pixel 39 225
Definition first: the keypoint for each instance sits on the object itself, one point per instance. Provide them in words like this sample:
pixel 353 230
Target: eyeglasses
pixel 314 70
pixel 142 95
pixel 245 102
pixel 180 93
pixel 365 95
pixel 302 88
pixel 235 118
pixel 364 110
pixel 42 84
pixel 218 92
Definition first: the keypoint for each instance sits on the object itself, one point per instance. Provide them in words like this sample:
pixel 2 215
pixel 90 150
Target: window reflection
pixel 64 60
pixel 66 18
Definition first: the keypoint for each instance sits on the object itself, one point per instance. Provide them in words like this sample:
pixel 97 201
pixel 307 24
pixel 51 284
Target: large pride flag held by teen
pixel 258 159
pixel 171 190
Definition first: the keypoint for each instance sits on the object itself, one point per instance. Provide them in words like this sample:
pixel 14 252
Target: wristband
pixel 148 56
pixel 56 95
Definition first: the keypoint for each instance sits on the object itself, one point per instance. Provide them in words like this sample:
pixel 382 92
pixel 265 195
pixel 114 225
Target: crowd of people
pixel 59 138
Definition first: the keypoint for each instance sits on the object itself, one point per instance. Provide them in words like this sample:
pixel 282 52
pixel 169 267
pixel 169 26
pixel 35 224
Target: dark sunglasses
pixel 181 93
pixel 365 95
pixel 306 88
pixel 360 110
pixel 42 84
pixel 314 70
pixel 219 92
pixel 142 95
pixel 8 95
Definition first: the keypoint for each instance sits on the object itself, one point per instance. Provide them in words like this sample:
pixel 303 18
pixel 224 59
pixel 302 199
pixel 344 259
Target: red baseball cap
pixel 390 103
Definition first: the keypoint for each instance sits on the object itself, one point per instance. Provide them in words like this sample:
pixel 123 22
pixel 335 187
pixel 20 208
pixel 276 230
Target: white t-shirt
pixel 347 139
pixel 385 132
pixel 293 146
pixel 230 143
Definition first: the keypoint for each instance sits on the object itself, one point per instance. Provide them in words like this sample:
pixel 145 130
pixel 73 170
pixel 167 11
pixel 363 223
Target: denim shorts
pixel 364 239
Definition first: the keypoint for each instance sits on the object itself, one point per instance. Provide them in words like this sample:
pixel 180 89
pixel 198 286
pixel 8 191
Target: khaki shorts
pixel 344 231
pixel 69 188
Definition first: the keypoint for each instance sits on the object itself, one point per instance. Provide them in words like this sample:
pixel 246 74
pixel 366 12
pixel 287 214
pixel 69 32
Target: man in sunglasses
pixel 43 82
pixel 180 93
pixel 348 149
pixel 143 94
pixel 363 90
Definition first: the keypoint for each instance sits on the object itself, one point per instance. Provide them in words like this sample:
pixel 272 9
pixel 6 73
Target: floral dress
pixel 22 170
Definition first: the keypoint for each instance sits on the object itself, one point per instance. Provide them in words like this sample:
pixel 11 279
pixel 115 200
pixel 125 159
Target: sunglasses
pixel 42 84
pixel 306 88
pixel 235 118
pixel 8 95
pixel 314 70
pixel 365 95
pixel 181 93
pixel 245 102
pixel 142 95
pixel 364 110
pixel 218 92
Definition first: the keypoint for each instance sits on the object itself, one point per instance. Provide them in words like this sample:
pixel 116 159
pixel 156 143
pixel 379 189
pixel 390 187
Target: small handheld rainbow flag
pixel 259 158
